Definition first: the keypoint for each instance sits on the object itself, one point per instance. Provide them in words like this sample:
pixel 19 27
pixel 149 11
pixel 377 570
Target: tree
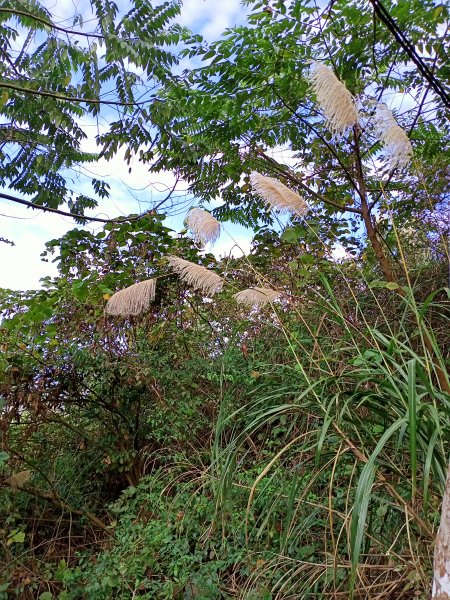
pixel 256 95
pixel 252 96
pixel 58 76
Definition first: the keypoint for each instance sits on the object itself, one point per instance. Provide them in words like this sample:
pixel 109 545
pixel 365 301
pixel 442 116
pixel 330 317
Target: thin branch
pixel 155 208
pixel 57 96
pixel 57 501
pixel 322 139
pixel 9 61
pixel 394 171
pixel 203 318
pixel 69 214
pixel 23 13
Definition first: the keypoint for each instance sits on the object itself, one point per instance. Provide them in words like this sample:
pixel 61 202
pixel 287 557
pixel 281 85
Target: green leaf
pixel 412 422
pixel 16 536
pixel 362 499
pixel 80 290
pixel 293 234
pixel 307 259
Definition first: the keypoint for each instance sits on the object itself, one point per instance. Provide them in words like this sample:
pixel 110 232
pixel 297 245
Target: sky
pixel 20 265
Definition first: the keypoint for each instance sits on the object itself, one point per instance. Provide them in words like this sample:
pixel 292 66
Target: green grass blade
pixel 412 423
pixel 362 499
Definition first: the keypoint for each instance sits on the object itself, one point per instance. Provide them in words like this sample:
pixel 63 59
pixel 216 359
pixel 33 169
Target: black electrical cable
pixel 408 47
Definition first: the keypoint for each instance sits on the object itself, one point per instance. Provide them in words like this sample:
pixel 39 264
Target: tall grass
pixel 348 456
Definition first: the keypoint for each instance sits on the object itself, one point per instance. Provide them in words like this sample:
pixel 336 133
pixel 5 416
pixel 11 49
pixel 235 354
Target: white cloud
pixel 21 266
pixel 235 246
pixel 210 17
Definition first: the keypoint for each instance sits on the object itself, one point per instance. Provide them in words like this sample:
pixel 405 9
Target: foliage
pixel 206 448
pixel 221 448
pixel 251 97
pixel 54 80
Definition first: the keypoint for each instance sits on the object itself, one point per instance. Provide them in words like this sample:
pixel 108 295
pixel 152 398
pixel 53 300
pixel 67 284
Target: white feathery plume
pixel 394 138
pixel 199 277
pixel 18 480
pixel 256 296
pixel 336 102
pixel 132 300
pixel 203 225
pixel 276 195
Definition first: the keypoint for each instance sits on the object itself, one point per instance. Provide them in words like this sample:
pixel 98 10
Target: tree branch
pixel 23 13
pixel 53 498
pixel 55 210
pixel 64 213
pixel 322 139
pixel 57 96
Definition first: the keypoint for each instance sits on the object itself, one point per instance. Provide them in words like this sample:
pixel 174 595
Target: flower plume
pixel 394 138
pixel 256 296
pixel 132 300
pixel 336 102
pixel 203 225
pixel 199 277
pixel 276 195
pixel 18 480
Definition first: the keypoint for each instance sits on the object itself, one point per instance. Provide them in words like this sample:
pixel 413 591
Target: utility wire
pixel 384 16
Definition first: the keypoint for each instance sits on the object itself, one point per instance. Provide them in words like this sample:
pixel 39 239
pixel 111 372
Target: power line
pixel 384 16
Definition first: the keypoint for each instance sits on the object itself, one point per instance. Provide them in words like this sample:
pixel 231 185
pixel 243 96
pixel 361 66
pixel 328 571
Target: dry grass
pixel 205 228
pixel 256 296
pixel 396 142
pixel 277 196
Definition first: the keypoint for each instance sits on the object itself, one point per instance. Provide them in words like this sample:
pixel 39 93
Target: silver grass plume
pixel 18 480
pixel 203 225
pixel 336 102
pixel 276 195
pixel 199 277
pixel 132 300
pixel 393 137
pixel 256 296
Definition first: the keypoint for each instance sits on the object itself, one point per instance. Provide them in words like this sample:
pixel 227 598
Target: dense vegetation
pixel 205 448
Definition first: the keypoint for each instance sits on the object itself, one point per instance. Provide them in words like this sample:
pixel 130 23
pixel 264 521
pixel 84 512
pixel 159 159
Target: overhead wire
pixel 385 17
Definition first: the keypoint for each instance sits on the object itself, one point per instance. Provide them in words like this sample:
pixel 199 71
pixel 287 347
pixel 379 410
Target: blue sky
pixel 20 265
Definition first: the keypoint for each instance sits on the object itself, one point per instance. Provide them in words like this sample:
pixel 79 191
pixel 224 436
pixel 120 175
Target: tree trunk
pixel 385 263
pixel 383 260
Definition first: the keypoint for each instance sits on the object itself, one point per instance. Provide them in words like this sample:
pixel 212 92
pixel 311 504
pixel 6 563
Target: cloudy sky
pixel 20 265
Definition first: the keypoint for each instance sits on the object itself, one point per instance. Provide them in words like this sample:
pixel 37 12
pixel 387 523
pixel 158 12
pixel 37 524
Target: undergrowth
pixel 302 457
